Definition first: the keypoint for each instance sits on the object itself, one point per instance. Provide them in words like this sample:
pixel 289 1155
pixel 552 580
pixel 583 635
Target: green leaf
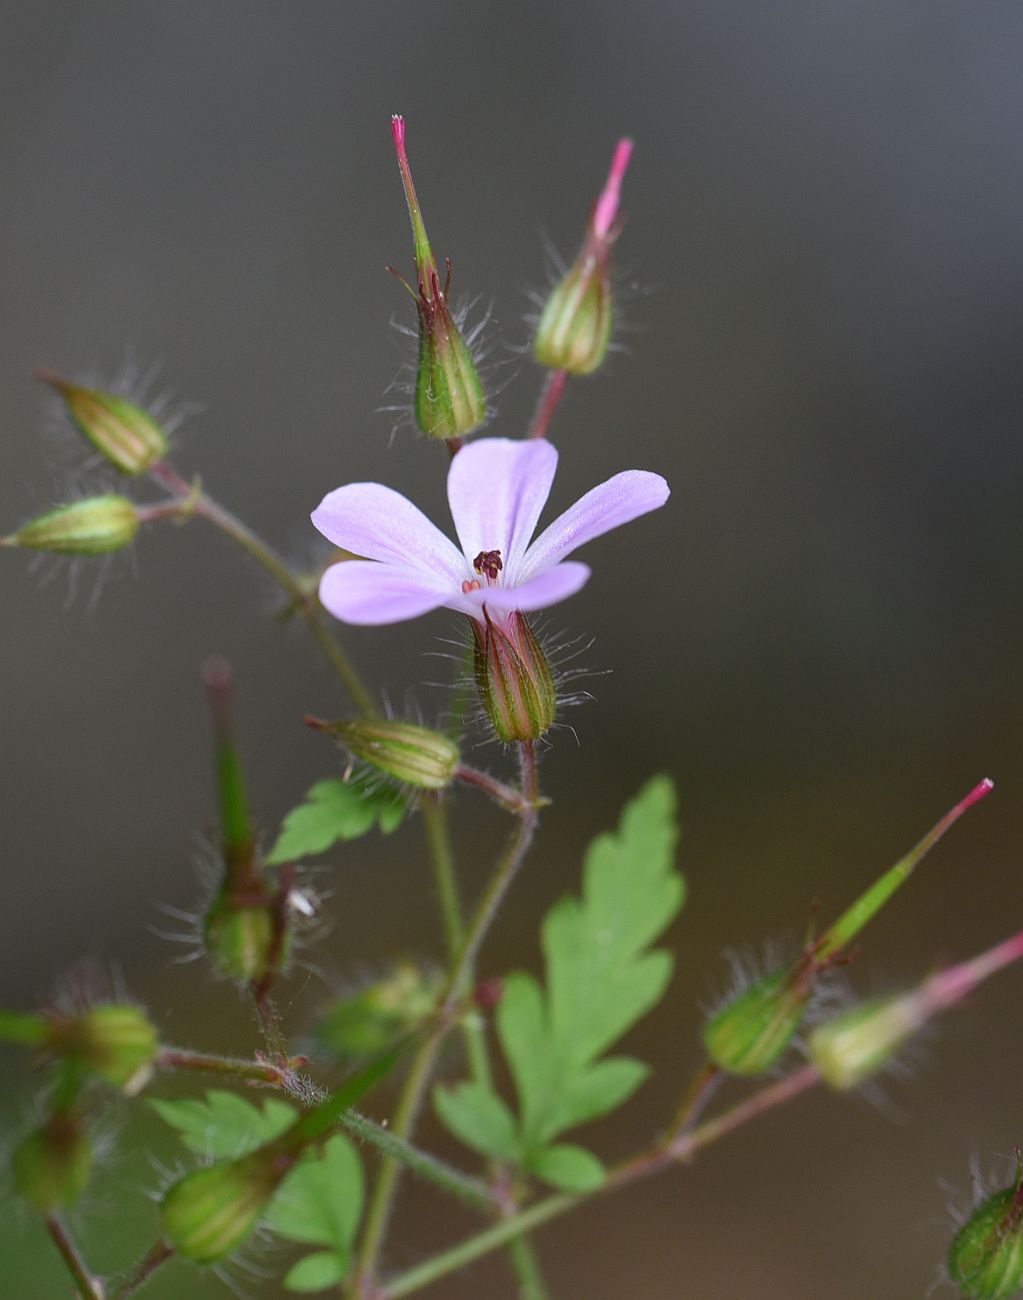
pixel 480 1119
pixel 317 1272
pixel 320 1201
pixel 224 1125
pixel 601 977
pixel 333 811
pixel 569 1168
pixel 595 1091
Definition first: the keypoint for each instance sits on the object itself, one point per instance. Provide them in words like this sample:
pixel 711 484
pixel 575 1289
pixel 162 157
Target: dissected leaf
pixel 569 1168
pixel 320 1201
pixel 317 1272
pixel 224 1125
pixel 601 977
pixel 480 1119
pixel 332 811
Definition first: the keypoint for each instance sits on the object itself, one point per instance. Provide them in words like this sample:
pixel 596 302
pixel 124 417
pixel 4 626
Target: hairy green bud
pixel 91 526
pixel 117 1042
pixel 210 1212
pixel 242 938
pixel 513 677
pixel 50 1168
pixel 411 754
pixel 122 432
pixel 750 1033
pixel 985 1259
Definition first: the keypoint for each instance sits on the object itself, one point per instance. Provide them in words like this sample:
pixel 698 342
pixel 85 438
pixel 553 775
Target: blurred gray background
pixel 820 637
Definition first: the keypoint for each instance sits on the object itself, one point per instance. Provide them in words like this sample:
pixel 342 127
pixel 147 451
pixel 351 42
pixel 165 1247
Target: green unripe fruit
pixel 50 1168
pixel 241 939
pixel 985 1259
pixel 749 1034
pixel 210 1212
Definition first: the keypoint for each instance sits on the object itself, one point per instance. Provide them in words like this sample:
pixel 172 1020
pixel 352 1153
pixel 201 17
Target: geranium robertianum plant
pixel 277 1140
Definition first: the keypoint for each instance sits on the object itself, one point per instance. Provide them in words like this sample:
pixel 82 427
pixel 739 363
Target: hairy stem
pixel 88 1286
pixel 194 500
pixel 649 1162
pixel 421 1069
pixel 550 396
pixel 158 1253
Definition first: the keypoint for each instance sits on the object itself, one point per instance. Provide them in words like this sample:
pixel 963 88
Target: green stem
pixel 438 843
pixel 194 500
pixel 411 1099
pixel 89 1287
pixel 463 1186
pixel 520 1252
pixel 649 1162
pixel 156 1255
pixel 23 1027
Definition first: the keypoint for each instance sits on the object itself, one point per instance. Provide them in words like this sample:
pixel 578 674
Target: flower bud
pixel 412 754
pixel 117 1042
pixel 119 430
pixel 985 1259
pixel 513 677
pixel 50 1168
pixel 449 398
pixel 575 324
pixel 210 1212
pixel 370 1021
pixel 91 526
pixel 750 1033
pixel 243 937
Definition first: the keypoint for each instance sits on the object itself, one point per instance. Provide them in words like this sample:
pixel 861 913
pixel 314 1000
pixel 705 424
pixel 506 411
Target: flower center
pixel 488 565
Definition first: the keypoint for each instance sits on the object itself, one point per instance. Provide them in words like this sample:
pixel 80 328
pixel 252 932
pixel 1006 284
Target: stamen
pixel 470 584
pixel 488 563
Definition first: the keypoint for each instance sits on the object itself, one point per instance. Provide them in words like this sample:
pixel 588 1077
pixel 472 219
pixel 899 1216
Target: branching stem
pixel 88 1286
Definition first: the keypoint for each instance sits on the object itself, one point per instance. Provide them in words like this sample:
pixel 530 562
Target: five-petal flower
pixel 497 488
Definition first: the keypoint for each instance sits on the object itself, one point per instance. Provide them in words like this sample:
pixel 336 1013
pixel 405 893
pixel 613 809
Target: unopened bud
pixel 411 754
pixel 449 398
pixel 126 435
pixel 370 1021
pixel 210 1212
pixel 50 1168
pixel 575 324
pixel 91 526
pixel 117 1042
pixel 513 677
pixel 750 1033
pixel 985 1259
pixel 242 937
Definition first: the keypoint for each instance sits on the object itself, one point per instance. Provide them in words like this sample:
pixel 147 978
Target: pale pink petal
pixel 626 496
pixel 545 589
pixel 363 591
pixel 378 523
pixel 496 489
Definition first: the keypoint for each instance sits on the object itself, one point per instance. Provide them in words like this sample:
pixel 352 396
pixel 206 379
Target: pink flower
pixel 497 488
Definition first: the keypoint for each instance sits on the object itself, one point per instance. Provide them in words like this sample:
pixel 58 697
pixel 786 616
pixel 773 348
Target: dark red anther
pixel 488 563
